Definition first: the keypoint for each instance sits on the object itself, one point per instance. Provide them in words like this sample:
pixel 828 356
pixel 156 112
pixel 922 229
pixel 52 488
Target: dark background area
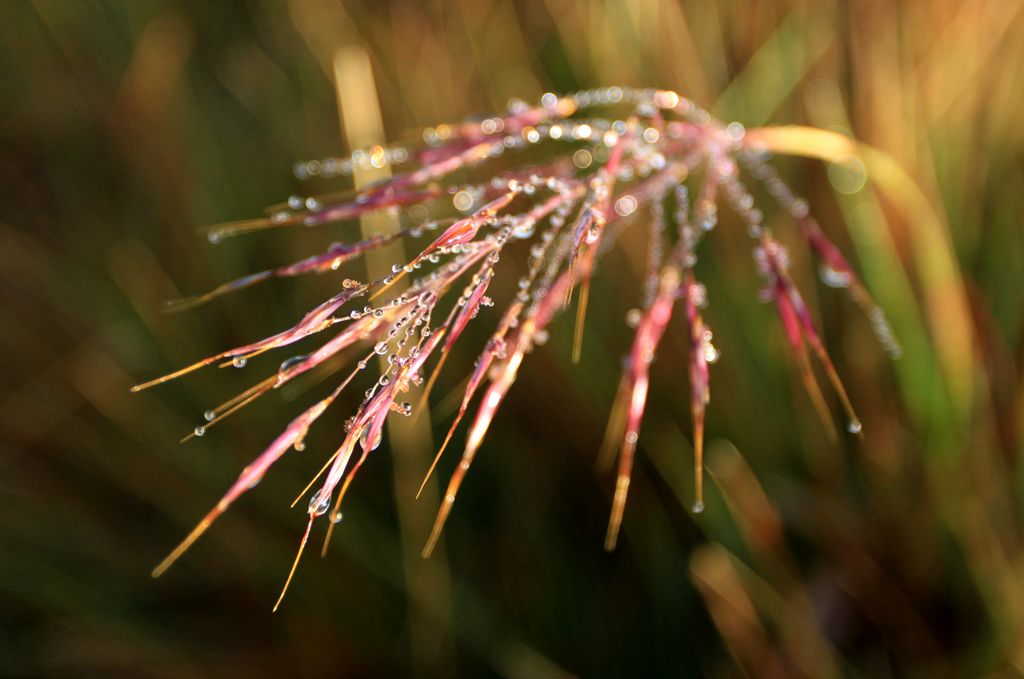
pixel 126 126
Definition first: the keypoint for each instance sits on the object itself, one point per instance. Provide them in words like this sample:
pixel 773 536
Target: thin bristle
pixel 320 473
pixel 176 374
pixel 581 317
pixel 814 392
pixel 437 457
pixel 618 508
pixel 435 532
pixel 220 413
pixel 567 298
pixel 186 543
pixel 218 232
pixel 853 422
pixel 178 305
pixel 698 459
pixel 295 564
pixel 330 531
pixel 260 386
pixel 616 423
pixel 448 502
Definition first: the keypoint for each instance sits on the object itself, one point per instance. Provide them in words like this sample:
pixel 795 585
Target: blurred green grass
pixel 127 125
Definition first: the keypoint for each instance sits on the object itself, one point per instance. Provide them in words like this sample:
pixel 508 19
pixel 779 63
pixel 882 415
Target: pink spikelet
pixel 615 157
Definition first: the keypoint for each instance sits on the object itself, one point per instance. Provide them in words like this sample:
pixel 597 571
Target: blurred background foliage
pixel 124 126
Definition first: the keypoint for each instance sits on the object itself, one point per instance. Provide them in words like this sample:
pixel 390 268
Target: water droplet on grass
pixel 320 503
pixel 834 278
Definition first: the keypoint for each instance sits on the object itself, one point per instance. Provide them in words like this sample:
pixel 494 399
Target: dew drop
pixel 699 295
pixel 735 131
pixel 698 507
pixel 834 278
pixel 238 361
pixel 320 503
pixel 854 426
pixel 633 318
pixel 199 431
pixel 293 361
pixel 848 175
pixel 210 415
pixel 369 445
pixel 626 206
pixel 336 517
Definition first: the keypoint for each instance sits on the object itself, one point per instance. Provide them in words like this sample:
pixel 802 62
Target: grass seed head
pixel 613 157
